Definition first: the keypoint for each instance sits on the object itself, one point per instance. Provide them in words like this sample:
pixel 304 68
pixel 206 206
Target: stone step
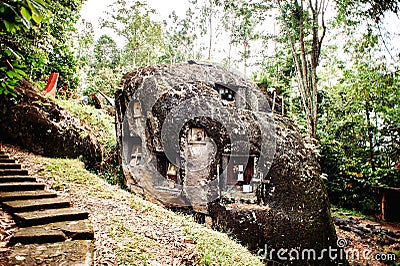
pixel 10 166
pixel 4 156
pixel 20 186
pixel 25 219
pixel 22 195
pixel 13 172
pixel 7 160
pixel 54 232
pixel 78 252
pixel 37 235
pixel 76 230
pixel 30 205
pixel 16 178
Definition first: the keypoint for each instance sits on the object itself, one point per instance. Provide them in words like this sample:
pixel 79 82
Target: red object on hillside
pixel 397 166
pixel 51 87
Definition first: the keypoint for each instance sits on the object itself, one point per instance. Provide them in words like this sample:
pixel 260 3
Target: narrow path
pixel 50 231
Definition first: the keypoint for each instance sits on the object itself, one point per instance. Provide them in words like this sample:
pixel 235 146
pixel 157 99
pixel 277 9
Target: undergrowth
pixel 103 126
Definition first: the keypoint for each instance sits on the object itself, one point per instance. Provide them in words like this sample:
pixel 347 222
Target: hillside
pixel 129 230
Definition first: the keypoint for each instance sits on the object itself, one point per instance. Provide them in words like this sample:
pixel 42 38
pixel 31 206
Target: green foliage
pixel 10 77
pixel 106 53
pixel 21 14
pixel 360 131
pixel 353 11
pixel 17 17
pixel 103 126
pixel 84 39
pixel 243 31
pixel 101 66
pixel 144 37
pixel 56 34
pixel 346 183
pixel 43 49
pixel 104 69
pixel 180 36
pixel 104 79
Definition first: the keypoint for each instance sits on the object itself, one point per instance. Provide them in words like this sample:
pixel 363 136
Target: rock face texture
pixel 199 136
pixel 37 123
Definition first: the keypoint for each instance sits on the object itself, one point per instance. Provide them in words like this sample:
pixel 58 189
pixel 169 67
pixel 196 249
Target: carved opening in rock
pixel 241 174
pixel 137 110
pixel 136 151
pixel 225 92
pixel 199 151
pixel 168 170
pixel 197 135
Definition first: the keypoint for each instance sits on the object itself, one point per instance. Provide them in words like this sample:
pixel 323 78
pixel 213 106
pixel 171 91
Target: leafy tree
pixel 17 17
pixel 104 70
pixel 59 31
pixel 106 53
pixel 180 37
pixel 144 37
pixel 48 48
pixel 208 22
pixel 373 9
pixel 361 141
pixel 359 128
pixel 244 32
pixel 103 79
pixel 21 14
pixel 84 41
pixel 303 23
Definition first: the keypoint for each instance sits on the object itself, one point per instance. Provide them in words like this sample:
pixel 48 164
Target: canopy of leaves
pixel 375 9
pixel 16 17
pixel 143 37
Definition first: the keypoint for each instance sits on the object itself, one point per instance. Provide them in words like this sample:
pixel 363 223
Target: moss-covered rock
pixel 293 210
pixel 37 123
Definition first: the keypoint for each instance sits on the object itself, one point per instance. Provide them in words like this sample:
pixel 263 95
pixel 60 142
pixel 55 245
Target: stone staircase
pixel 44 219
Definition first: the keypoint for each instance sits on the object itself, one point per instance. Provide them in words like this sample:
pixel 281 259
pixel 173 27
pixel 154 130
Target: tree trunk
pixel 245 59
pixel 306 62
pixel 370 136
pixel 211 30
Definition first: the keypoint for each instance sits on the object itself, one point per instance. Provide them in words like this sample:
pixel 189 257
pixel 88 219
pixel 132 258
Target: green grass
pixel 341 213
pixel 137 248
pixel 134 247
pixel 102 124
pixel 98 120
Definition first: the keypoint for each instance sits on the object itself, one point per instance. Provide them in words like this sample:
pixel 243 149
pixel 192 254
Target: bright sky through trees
pixel 93 10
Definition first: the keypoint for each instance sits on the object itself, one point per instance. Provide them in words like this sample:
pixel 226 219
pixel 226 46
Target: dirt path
pixel 367 242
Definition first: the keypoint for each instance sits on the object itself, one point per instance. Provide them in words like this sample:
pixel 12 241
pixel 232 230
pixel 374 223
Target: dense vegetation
pixel 333 64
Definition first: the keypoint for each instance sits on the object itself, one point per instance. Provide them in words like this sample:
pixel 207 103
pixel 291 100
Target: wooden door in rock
pixel 240 172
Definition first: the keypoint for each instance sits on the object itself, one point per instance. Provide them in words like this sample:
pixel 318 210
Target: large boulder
pixel 38 124
pixel 199 136
pixel 293 208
